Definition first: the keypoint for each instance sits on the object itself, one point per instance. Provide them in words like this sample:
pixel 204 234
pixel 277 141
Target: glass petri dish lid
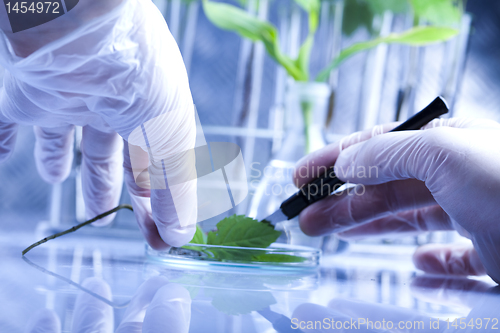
pixel 276 256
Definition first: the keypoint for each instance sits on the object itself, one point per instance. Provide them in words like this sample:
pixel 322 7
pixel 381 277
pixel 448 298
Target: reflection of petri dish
pixel 277 256
pixel 235 277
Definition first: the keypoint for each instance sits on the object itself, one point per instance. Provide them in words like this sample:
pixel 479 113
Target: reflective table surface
pixel 84 284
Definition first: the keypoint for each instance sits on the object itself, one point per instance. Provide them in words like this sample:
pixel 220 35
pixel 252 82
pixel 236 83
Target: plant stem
pixel 307 107
pixel 76 227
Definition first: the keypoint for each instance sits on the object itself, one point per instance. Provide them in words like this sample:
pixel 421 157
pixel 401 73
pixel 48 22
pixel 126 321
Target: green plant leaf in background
pixel 312 8
pixel 302 61
pixel 242 231
pixel 360 13
pixel 379 7
pixel 415 37
pixel 357 14
pixel 439 12
pixel 234 19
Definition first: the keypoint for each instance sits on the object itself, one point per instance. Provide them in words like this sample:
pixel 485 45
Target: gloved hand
pixel 357 315
pixel 110 66
pixel 443 177
pixel 158 306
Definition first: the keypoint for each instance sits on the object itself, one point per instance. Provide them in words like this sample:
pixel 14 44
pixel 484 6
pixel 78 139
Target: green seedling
pixel 435 12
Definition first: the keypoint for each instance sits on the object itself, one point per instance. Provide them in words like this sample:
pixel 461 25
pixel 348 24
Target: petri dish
pixel 277 256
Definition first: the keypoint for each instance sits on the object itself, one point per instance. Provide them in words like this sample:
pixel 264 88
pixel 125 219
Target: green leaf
pixel 270 257
pixel 312 8
pixel 231 18
pixel 308 5
pixel 356 14
pixel 379 7
pixel 302 61
pixel 440 12
pixel 234 19
pixel 199 236
pixel 415 37
pixel 211 237
pixel 361 13
pixel 419 36
pixel 242 231
pixel 233 254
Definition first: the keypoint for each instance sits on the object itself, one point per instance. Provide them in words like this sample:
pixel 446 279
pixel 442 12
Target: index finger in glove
pixel 311 166
pixel 54 152
pixel 159 162
pixel 410 154
pixel 92 314
pixel 102 173
pixel 134 315
pixel 169 311
pixel 141 202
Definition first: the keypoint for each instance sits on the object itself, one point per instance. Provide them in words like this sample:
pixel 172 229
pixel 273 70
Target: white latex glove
pixel 480 298
pixel 158 306
pixel 109 66
pixel 355 316
pixel 443 177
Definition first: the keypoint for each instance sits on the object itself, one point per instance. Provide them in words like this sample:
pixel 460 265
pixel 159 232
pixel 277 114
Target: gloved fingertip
pixel 346 159
pixel 54 153
pixel 144 217
pixel 44 321
pixel 52 174
pixel 158 245
pixel 137 308
pixel 313 221
pixel 175 295
pixel 307 227
pixel 176 235
pixel 92 314
pixel 98 286
pixel 151 234
pixel 169 311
